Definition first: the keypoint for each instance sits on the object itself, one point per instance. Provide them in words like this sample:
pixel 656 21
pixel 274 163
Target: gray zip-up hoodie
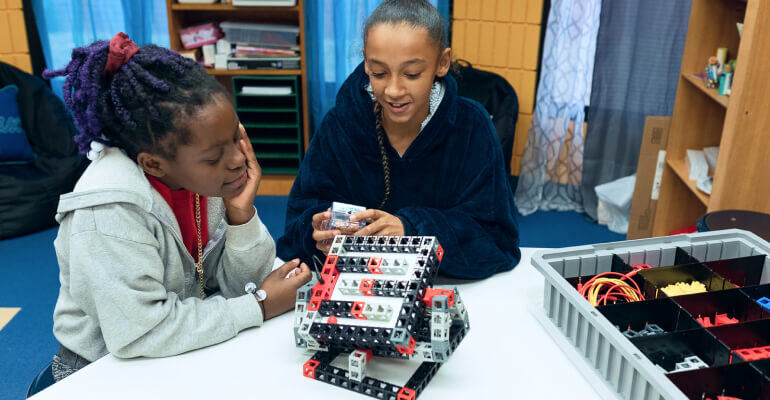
pixel 128 284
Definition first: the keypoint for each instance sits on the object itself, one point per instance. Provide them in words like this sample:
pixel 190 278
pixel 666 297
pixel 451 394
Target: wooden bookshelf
pixel 738 124
pixel 683 173
pixel 181 16
pixel 710 92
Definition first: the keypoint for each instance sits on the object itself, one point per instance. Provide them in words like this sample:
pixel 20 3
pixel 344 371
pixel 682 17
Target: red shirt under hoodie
pixel 182 203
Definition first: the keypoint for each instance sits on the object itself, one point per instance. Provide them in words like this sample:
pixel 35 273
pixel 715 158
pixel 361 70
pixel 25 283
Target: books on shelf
pixel 263 62
pixel 267 90
pixel 246 51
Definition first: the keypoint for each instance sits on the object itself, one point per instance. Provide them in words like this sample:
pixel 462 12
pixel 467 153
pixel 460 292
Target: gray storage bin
pixel 602 347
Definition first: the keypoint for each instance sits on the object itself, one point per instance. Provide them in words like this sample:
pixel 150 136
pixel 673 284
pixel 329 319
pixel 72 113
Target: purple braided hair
pixel 146 99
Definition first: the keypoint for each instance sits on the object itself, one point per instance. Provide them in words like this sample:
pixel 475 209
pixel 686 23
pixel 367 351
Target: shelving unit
pixel 260 122
pixel 273 122
pixel 738 124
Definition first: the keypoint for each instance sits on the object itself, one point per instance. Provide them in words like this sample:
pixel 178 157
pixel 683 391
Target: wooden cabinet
pixel 277 178
pixel 738 124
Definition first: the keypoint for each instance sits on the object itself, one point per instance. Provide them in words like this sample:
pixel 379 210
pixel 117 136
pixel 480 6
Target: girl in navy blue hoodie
pixel 402 143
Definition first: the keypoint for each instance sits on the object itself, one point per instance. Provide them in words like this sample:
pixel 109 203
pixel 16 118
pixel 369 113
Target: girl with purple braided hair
pixel 160 234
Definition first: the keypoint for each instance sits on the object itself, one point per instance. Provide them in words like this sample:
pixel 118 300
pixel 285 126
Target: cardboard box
pixel 652 159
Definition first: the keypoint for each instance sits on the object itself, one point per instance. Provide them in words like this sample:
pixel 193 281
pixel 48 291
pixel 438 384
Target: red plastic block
pixel 331 320
pixel 308 370
pixel 315 303
pixel 430 292
pixel 374 265
pixel 409 349
pixel 754 353
pixel 331 260
pixel 406 394
pixel 722 319
pixel 358 310
pixel 366 287
pixel 367 353
pixel 440 253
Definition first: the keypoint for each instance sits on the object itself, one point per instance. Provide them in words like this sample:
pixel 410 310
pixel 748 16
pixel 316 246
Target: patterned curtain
pixel 551 169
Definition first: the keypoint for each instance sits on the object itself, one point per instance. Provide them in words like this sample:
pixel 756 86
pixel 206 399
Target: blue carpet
pixel 29 279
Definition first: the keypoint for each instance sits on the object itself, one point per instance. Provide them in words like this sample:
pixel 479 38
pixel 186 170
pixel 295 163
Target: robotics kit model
pixel 374 297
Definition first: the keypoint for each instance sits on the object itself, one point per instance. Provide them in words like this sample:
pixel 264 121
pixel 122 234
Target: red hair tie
pixel 121 50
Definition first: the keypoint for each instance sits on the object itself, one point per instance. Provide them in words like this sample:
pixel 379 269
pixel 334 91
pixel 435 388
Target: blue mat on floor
pixel 29 278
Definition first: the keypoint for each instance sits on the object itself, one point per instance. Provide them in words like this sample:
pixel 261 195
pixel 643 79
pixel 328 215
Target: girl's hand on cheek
pixel 240 207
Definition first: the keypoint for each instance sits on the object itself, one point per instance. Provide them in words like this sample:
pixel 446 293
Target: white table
pixel 506 354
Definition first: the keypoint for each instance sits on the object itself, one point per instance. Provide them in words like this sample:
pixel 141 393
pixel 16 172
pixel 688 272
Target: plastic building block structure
pixel 650 329
pixel 754 353
pixel 375 298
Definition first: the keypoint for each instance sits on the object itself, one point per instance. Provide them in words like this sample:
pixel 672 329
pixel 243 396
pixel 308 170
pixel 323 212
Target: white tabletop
pixel 506 354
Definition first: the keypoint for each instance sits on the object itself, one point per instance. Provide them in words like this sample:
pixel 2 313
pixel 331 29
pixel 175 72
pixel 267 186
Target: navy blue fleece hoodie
pixel 450 183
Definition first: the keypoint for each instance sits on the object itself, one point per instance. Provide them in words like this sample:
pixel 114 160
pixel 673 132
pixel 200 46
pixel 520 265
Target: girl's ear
pixel 152 164
pixel 366 64
pixel 444 62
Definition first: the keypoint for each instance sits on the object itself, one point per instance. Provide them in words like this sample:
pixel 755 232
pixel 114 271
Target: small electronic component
pixel 340 220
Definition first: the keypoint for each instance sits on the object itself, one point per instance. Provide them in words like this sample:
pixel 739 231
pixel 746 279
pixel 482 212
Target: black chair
pixel 29 193
pixel 499 99
pixel 43 380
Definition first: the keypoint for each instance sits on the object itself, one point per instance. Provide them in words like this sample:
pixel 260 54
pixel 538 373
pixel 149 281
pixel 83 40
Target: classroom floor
pixel 29 284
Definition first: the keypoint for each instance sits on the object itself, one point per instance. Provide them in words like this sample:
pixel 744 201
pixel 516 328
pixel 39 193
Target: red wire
pixel 603 298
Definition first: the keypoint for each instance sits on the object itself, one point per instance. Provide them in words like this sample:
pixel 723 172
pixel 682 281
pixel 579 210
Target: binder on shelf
pixel 238 63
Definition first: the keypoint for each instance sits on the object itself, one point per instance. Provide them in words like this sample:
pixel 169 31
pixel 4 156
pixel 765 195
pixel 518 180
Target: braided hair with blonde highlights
pixel 414 13
pixel 383 151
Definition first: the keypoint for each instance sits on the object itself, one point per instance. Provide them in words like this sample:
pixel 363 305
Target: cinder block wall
pixel 13 36
pixel 503 36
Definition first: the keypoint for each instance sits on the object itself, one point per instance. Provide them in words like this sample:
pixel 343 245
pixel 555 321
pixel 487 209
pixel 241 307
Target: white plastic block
pixel 423 351
pixel 440 322
pixel 357 365
pixel 378 312
pixel 349 286
pixel 690 363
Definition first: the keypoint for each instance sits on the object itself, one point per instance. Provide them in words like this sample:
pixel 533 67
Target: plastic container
pixel 261 34
pixel 599 348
